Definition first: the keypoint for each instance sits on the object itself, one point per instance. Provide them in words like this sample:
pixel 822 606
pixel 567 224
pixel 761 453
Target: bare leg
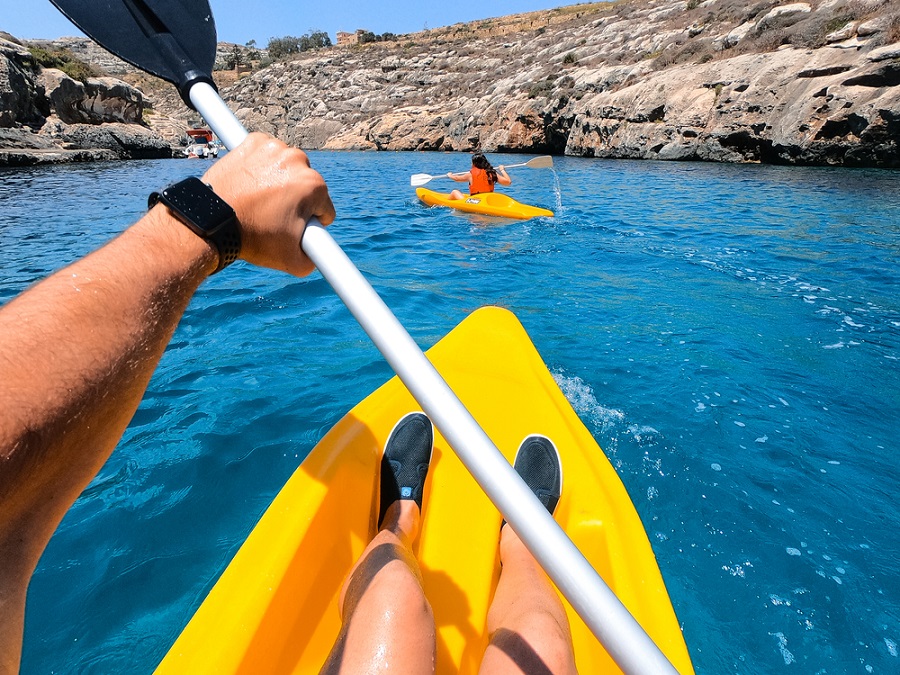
pixel 527 623
pixel 388 625
pixel 529 630
pixel 456 194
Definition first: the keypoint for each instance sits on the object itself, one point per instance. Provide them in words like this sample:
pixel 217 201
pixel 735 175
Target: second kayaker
pixel 481 177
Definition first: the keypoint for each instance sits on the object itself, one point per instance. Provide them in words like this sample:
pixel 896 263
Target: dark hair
pixel 479 161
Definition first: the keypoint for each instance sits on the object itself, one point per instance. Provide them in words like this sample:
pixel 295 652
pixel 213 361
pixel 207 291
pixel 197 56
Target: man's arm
pixel 78 349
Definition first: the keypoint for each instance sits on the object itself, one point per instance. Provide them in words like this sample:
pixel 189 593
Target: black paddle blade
pixel 172 39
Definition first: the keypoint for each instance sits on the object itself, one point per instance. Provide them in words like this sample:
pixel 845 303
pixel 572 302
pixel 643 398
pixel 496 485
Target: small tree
pixel 283 46
pixel 287 45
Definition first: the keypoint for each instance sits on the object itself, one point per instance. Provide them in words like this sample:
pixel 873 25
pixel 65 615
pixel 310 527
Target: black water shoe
pixel 538 463
pixel 404 464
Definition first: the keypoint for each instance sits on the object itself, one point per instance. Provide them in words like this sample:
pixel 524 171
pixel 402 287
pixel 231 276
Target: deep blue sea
pixel 730 334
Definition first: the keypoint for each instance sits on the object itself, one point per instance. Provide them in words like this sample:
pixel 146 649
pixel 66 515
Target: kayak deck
pixel 486 203
pixel 275 608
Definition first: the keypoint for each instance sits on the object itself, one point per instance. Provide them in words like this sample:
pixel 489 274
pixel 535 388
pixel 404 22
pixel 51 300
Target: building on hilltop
pixel 344 38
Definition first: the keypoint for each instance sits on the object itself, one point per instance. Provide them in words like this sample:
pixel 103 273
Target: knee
pixel 403 593
pixel 397 591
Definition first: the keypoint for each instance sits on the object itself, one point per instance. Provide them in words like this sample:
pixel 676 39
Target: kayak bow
pixel 275 608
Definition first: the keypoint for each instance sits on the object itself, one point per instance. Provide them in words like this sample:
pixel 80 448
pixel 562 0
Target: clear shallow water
pixel 730 334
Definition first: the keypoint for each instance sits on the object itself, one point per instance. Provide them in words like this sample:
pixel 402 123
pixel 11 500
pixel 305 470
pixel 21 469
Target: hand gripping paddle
pixel 176 40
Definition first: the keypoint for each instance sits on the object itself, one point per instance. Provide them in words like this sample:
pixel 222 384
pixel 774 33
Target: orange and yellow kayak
pixel 486 203
pixel 275 608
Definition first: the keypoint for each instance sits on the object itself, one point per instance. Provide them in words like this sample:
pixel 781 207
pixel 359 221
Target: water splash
pixel 581 398
pixel 557 189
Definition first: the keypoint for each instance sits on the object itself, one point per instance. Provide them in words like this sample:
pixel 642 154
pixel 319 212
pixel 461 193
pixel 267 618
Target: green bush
pixel 570 59
pixel 63 60
pixel 287 45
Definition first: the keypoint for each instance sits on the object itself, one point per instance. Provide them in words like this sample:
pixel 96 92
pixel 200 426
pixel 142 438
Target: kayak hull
pixel 487 203
pixel 275 608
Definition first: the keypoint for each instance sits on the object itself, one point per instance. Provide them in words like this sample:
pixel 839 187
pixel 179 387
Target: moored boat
pixel 275 608
pixel 486 203
pixel 201 144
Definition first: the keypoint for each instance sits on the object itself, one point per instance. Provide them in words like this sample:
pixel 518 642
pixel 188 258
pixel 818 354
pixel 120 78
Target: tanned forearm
pixel 77 350
pixel 76 354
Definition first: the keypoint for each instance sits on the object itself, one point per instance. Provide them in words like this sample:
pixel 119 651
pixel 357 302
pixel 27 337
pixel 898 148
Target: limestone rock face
pixel 21 100
pixel 805 83
pixel 813 82
pixel 127 141
pixel 788 107
pixel 47 117
pixel 99 100
pixel 89 51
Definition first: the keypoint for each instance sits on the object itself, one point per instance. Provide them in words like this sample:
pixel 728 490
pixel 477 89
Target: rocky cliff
pixel 813 82
pixel 48 117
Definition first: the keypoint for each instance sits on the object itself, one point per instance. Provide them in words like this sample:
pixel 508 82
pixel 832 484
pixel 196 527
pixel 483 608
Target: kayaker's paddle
pixel 163 37
pixel 543 162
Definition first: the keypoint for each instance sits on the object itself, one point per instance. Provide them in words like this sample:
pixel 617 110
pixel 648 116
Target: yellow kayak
pixel 275 608
pixel 487 203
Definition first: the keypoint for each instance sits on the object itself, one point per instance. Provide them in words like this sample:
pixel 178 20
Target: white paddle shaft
pixel 609 620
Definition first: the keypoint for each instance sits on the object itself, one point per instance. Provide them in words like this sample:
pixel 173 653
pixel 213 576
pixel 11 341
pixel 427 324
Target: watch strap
pixel 197 206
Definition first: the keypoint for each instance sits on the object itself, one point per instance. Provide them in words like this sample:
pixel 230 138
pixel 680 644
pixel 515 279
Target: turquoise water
pixel 730 334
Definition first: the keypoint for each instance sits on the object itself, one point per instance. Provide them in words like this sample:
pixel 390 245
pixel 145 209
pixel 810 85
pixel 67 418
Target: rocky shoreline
pixel 47 117
pixel 812 83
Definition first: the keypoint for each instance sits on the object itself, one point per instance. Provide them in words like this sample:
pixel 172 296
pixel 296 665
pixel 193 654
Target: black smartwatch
pixel 195 204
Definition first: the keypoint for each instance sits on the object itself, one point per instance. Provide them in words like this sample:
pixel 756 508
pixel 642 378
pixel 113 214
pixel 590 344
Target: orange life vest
pixel 480 181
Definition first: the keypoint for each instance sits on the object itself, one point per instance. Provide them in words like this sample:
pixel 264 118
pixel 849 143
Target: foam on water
pixel 582 399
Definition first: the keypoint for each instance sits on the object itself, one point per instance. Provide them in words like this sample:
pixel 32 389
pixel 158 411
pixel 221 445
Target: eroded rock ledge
pixel 47 117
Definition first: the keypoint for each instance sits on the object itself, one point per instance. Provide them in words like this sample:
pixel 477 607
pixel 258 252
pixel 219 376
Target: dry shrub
pixel 892 33
pixel 694 51
pixel 737 11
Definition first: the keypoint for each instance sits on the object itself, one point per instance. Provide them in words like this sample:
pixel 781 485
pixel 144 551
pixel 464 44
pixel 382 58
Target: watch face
pixel 198 204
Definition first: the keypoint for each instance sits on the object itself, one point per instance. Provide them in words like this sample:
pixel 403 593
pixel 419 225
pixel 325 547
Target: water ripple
pixel 730 334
